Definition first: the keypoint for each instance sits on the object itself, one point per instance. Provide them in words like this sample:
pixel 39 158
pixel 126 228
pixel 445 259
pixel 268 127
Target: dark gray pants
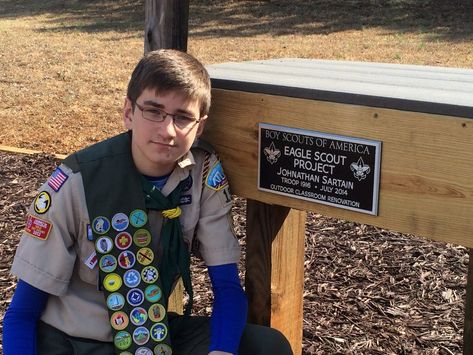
pixel 189 336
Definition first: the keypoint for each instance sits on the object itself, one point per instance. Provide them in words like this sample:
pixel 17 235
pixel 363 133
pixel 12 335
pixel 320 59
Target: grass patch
pixel 64 65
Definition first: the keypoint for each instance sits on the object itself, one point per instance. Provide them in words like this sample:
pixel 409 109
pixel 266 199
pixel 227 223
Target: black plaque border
pixel 377 160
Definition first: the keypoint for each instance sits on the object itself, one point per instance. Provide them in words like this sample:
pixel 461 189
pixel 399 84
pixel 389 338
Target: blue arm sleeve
pixel 230 308
pixel 19 323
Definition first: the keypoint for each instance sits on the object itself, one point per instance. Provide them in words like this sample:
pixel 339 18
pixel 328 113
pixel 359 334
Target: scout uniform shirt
pixel 56 253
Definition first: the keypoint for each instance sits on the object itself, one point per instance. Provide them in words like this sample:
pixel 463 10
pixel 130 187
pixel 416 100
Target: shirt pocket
pixel 87 257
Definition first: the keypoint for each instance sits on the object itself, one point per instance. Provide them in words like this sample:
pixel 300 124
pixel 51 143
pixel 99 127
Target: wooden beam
pixel 426 187
pixel 275 268
pixel 166 24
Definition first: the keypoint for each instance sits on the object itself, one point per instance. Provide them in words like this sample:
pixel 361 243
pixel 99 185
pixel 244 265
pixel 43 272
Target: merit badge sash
pixel 131 283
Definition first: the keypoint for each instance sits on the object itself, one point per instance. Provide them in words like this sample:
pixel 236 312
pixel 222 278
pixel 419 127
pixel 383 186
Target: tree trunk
pixel 166 24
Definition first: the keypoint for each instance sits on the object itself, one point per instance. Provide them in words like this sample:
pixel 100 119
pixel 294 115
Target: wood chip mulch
pixel 367 290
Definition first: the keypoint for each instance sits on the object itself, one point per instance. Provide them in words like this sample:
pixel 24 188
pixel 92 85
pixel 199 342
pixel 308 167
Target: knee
pixel 278 343
pixel 260 340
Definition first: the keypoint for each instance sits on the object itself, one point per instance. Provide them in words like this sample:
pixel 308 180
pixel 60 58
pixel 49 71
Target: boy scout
pixel 111 230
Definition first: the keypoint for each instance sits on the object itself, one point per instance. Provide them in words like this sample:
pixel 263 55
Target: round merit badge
pixel 101 225
pixel 112 282
pixel 162 349
pixel 135 297
pixel 156 312
pixel 149 274
pixel 119 320
pixel 153 293
pixel 42 202
pixel 158 332
pixel 141 336
pixel 138 316
pixel 120 222
pixel 142 237
pixel 143 351
pixel 145 256
pixel 103 245
pixel 108 263
pixel 122 340
pixel 138 218
pixel 123 240
pixel 126 259
pixel 115 301
pixel 132 278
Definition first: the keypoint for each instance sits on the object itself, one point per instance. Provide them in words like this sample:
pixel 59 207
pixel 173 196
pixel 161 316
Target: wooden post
pixel 166 24
pixel 468 326
pixel 275 268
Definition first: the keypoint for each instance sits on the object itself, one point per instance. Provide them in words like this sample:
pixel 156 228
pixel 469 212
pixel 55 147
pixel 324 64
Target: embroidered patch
pixel 101 225
pixel 90 235
pixel 37 227
pixel 42 202
pixel 138 218
pixel 91 261
pixel 216 179
pixel 142 237
pixel 122 340
pixel 156 312
pixel 162 349
pixel 119 320
pixel 159 332
pixel 135 297
pixel 153 293
pixel 57 179
pixel 123 240
pixel 120 222
pixel 141 337
pixel 185 200
pixel 115 301
pixel 112 282
pixel 108 263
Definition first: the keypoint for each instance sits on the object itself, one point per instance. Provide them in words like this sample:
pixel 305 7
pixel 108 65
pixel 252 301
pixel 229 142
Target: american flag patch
pixel 57 179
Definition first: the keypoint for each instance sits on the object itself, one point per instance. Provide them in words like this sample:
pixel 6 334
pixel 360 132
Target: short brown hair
pixel 171 70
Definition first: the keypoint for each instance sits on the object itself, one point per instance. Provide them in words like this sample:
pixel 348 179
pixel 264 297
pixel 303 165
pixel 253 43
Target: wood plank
pixel 263 223
pixel 451 86
pixel 287 279
pixel 9 149
pixel 426 187
pixel 275 268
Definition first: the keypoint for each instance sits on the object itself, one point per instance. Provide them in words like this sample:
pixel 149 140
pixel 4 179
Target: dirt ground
pixel 367 290
pixel 64 65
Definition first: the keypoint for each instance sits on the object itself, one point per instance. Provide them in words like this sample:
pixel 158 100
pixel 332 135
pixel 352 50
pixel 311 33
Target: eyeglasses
pixel 156 114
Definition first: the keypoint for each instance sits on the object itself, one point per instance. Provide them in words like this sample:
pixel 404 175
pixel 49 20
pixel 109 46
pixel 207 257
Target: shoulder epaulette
pixel 205 146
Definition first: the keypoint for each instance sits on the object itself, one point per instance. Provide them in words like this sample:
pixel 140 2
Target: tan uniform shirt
pixel 62 264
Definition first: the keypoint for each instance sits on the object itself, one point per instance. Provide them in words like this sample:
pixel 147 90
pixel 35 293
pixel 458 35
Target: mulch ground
pixel 367 290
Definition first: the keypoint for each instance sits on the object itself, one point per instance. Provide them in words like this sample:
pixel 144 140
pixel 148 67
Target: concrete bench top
pixel 437 90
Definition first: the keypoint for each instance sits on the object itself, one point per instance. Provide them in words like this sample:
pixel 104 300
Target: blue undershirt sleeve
pixel 21 318
pixel 230 308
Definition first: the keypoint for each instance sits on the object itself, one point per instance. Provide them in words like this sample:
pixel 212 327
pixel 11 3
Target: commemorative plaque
pixel 334 170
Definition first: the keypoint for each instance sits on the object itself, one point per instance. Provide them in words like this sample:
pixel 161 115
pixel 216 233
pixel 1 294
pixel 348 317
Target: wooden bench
pixel 420 116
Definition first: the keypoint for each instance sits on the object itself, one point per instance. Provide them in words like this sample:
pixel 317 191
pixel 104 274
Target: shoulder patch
pixel 37 227
pixel 215 178
pixel 42 202
pixel 57 179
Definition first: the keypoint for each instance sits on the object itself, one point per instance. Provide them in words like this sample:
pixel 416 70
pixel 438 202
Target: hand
pixel 216 352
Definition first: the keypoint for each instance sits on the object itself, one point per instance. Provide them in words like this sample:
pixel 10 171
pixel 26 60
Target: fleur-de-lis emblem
pixel 272 153
pixel 360 169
